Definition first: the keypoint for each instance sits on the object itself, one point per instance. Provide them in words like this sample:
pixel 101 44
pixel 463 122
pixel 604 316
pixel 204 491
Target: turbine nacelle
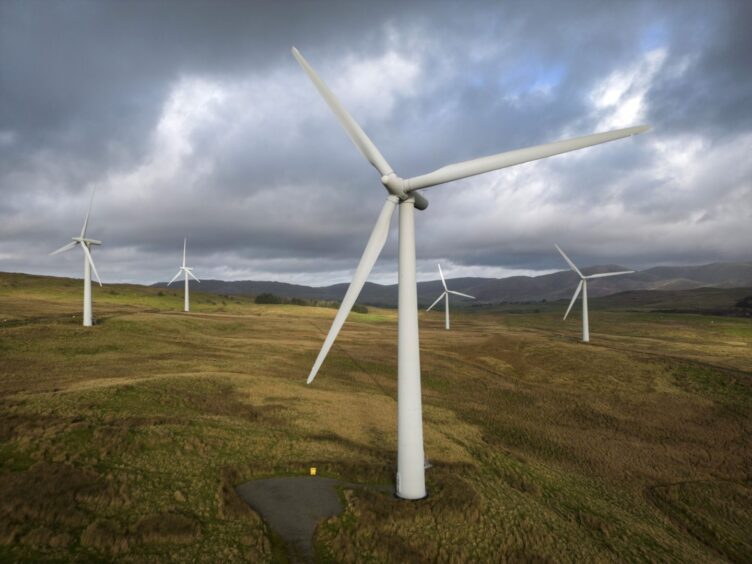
pixel 85 240
pixel 397 187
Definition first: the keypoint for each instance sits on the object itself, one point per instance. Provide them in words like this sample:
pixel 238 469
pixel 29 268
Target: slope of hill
pixel 125 441
pixel 721 301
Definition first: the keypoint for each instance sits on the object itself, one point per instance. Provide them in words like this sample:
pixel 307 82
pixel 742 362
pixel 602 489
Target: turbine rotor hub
pixel 396 186
pixel 85 240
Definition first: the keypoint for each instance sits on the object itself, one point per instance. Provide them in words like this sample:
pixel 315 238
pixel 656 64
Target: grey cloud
pixel 83 86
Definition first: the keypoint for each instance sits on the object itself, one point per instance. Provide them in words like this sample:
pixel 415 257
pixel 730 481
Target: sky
pixel 192 119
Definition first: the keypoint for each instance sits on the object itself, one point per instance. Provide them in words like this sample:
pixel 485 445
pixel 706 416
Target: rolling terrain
pixel 126 440
pixel 555 286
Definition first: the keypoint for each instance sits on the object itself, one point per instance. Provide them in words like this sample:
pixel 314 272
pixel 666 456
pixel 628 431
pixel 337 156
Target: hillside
pixel 125 441
pixel 211 293
pixel 721 301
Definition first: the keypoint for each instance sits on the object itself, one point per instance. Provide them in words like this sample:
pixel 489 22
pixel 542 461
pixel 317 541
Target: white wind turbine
pixel 410 479
pixel 583 286
pixel 88 262
pixel 445 294
pixel 187 271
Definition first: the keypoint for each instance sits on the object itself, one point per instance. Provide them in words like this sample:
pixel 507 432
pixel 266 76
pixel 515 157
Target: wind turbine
pixel 187 271
pixel 583 286
pixel 88 261
pixel 445 294
pixel 410 479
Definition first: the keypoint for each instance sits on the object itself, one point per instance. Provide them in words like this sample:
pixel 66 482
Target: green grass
pixel 125 440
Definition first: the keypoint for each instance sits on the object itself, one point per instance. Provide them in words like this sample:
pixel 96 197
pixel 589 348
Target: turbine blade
pixel 437 301
pixel 193 276
pixel 605 274
pixel 443 282
pixel 510 158
pixel 569 262
pixel 86 221
pixel 66 247
pixel 356 134
pixel 372 251
pixel 461 294
pixel 175 277
pixel 185 242
pixel 91 262
pixel 576 293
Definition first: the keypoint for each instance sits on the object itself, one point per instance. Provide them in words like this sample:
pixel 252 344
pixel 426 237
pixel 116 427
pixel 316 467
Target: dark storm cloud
pixel 192 118
pixel 716 87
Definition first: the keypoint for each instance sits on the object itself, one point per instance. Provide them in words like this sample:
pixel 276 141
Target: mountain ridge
pixel 554 286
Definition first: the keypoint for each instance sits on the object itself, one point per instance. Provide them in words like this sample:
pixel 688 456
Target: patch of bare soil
pixel 168 527
pixel 106 535
pixel 47 493
pixel 48 496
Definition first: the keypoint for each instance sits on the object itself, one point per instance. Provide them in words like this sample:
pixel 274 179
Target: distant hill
pixel 718 300
pixel 721 301
pixel 558 285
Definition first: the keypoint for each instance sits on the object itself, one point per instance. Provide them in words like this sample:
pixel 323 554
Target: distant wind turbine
pixel 187 271
pixel 583 286
pixel 410 479
pixel 88 261
pixel 445 294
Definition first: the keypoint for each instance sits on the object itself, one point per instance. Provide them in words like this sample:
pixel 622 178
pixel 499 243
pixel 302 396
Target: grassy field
pixel 125 440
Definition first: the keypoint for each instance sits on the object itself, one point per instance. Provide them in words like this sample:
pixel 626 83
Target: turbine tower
pixel 445 295
pixel 583 286
pixel 187 271
pixel 88 262
pixel 410 479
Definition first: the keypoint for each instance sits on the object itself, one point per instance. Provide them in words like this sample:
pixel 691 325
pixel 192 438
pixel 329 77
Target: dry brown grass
pixel 127 440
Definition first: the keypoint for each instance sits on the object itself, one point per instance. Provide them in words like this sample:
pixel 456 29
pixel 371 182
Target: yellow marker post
pixel 313 470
